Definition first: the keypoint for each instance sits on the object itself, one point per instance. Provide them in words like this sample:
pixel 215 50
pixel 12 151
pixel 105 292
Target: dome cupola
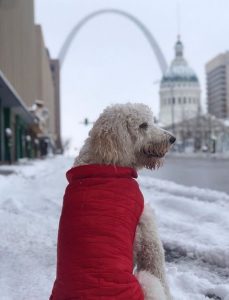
pixel 179 48
pixel 179 69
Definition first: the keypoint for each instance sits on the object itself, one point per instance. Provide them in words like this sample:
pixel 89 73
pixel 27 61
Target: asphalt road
pixel 208 173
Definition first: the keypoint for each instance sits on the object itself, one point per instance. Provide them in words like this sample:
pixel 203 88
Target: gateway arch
pixel 153 43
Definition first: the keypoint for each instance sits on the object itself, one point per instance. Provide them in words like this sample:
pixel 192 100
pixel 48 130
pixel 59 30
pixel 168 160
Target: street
pixel 207 173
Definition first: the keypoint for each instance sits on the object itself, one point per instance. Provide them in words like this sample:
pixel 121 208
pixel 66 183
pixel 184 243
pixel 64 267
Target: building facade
pixel 16 124
pixel 179 91
pixel 26 77
pixel 217 73
pixel 203 133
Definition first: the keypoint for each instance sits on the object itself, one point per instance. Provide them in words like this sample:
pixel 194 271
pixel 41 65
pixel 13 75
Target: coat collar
pixel 104 171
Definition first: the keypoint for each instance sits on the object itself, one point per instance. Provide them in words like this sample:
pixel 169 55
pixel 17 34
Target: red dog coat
pixel 101 209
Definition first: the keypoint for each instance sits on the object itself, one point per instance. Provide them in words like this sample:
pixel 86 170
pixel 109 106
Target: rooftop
pixel 179 70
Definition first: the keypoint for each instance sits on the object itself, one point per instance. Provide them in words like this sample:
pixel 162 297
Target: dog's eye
pixel 144 126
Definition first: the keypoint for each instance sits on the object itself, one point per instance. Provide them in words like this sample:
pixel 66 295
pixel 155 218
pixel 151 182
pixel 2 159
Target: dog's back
pixel 102 206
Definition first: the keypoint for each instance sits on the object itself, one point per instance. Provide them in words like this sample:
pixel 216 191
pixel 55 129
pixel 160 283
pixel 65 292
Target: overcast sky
pixel 111 61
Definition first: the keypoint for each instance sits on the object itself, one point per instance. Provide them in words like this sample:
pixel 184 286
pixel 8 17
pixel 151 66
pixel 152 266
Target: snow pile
pixel 193 224
pixel 194 227
pixel 30 203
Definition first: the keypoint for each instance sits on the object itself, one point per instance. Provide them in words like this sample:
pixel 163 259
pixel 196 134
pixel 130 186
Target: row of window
pixel 216 71
pixel 219 81
pixel 183 100
pixel 177 84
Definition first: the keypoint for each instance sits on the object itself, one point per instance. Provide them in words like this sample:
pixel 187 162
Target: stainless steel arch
pixel 154 45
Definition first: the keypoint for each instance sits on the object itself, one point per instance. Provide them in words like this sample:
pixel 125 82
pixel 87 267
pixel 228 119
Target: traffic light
pixel 86 121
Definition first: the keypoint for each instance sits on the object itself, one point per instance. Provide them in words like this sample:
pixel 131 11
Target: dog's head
pixel 125 135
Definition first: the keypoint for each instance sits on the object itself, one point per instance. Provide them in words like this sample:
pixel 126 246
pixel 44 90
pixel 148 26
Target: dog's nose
pixel 172 139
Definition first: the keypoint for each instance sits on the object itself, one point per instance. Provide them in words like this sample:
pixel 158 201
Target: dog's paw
pixel 151 285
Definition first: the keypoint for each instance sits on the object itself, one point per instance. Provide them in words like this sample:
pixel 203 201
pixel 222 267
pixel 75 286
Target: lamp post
pixel 28 140
pixel 172 107
pixel 8 134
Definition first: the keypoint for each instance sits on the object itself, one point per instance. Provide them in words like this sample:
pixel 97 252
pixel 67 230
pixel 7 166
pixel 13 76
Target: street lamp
pixel 9 134
pixel 172 107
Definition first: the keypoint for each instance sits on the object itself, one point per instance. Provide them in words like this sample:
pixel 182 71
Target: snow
pixel 193 224
pixel 30 205
pixel 194 227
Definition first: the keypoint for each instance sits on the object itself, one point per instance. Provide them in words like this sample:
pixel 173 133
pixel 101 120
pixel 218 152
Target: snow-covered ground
pixel 193 223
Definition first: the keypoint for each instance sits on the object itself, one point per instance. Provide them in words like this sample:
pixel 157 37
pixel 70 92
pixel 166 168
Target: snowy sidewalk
pixel 193 224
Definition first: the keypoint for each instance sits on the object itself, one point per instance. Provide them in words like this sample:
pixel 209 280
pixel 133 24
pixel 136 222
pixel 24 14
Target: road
pixel 208 173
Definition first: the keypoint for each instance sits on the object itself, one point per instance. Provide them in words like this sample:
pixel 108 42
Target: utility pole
pixel 172 108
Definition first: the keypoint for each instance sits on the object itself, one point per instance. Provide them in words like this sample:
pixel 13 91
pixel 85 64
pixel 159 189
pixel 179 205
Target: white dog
pixel 124 136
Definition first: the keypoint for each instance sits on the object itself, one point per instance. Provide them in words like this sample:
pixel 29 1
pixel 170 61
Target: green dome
pixel 179 70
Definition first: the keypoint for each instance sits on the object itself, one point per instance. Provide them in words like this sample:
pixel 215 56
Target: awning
pixel 10 98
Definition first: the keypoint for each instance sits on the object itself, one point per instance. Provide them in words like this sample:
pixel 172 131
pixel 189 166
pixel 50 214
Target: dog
pixel 105 231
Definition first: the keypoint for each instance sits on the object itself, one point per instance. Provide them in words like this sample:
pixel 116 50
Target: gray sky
pixel 111 61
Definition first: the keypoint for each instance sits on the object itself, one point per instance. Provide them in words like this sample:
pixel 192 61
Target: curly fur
pixel 151 285
pixel 117 138
pixel 125 135
pixel 149 254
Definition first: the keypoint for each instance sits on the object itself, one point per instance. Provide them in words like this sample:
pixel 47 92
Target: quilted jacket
pixel 101 209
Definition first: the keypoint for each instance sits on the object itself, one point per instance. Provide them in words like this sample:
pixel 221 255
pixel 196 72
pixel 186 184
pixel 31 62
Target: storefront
pixel 16 136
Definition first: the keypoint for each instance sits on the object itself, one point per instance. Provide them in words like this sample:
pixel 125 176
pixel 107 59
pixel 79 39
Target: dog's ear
pixel 110 141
